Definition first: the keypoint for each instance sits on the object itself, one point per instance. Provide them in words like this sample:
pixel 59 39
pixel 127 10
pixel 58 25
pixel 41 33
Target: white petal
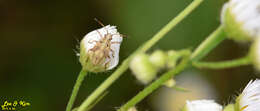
pixel 203 105
pixel 250 98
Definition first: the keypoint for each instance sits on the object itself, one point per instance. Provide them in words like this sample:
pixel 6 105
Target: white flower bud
pixel 158 58
pixel 99 49
pixel 202 105
pixel 170 83
pixel 173 56
pixel 241 19
pixel 249 100
pixel 143 69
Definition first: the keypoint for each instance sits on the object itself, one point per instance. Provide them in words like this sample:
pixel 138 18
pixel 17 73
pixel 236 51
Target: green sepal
pixel 233 28
pixel 86 61
pixel 230 107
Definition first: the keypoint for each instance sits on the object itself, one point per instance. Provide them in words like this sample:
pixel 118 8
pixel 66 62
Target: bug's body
pixel 102 49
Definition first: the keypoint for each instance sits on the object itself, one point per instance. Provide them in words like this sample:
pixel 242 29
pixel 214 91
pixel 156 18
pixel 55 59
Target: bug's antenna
pixel 99 22
pixel 122 35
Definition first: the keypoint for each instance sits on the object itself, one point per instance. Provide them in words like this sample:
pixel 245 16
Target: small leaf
pixel 180 89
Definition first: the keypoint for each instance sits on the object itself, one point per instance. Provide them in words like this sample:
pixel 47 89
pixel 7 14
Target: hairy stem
pixel 75 90
pixel 124 66
pixel 224 64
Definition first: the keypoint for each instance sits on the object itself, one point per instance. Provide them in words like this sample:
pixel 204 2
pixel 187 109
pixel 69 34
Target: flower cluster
pixel 145 67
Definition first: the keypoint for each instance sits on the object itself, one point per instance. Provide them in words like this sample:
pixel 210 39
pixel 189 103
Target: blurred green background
pixel 37 39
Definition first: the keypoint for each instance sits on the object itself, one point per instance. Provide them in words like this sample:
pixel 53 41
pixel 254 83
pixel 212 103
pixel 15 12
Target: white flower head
pixel 202 105
pixel 99 49
pixel 249 100
pixel 241 19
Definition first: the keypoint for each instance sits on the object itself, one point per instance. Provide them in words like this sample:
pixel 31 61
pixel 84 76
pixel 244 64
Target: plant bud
pixel 99 49
pixel 170 83
pixel 142 68
pixel 158 58
pixel 172 57
pixel 241 19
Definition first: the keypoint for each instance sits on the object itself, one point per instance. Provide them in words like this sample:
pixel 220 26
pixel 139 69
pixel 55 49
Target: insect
pixel 102 52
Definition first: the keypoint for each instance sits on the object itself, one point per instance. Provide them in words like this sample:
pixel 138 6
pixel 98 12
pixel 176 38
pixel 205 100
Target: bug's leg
pixel 107 55
pixel 92 41
pixel 113 52
pixel 115 42
pixel 97 60
pixel 106 64
pixel 121 35
pixel 87 59
pixel 99 33
pixel 93 49
pixel 106 30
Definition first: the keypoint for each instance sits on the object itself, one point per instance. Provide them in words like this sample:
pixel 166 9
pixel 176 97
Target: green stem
pixel 75 90
pixel 156 84
pixel 205 47
pixel 210 43
pixel 124 66
pixel 223 64
pixel 104 85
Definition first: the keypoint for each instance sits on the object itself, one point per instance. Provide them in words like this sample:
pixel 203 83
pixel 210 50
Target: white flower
pixel 249 100
pixel 203 105
pixel 99 49
pixel 241 19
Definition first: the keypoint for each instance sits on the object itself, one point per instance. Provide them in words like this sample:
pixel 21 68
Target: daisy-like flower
pixel 241 19
pixel 99 49
pixel 249 100
pixel 202 105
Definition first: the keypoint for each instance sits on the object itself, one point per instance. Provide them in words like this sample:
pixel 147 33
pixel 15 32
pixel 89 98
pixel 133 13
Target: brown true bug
pixel 101 50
